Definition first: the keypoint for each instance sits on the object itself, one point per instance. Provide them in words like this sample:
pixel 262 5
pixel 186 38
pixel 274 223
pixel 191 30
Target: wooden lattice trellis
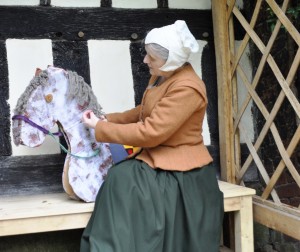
pixel 268 208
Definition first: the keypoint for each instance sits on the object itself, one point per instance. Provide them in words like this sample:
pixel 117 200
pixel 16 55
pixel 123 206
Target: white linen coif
pixel 178 39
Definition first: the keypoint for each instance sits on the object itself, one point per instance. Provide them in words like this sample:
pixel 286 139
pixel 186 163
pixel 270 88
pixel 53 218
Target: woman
pixel 167 197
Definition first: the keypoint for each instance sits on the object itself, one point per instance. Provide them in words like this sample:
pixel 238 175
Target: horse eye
pixel 49 98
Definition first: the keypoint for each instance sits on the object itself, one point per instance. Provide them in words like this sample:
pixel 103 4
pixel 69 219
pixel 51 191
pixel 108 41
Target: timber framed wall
pixel 273 95
pixel 70 29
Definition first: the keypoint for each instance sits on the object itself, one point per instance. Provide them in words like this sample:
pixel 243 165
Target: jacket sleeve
pixel 129 116
pixel 167 116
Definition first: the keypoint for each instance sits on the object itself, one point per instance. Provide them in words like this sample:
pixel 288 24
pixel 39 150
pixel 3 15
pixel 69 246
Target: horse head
pixel 55 96
pixel 32 106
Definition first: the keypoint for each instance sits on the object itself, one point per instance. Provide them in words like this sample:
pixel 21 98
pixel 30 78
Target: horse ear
pixel 37 71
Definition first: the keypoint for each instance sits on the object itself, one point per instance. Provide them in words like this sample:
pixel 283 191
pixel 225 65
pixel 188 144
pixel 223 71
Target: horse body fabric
pixel 47 101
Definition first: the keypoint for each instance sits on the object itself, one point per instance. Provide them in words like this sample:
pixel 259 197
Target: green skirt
pixel 140 209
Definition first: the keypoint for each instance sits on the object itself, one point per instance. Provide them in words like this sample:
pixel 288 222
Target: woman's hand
pixel 89 119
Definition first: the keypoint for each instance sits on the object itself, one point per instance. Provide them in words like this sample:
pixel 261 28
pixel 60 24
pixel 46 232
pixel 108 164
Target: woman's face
pixel 154 62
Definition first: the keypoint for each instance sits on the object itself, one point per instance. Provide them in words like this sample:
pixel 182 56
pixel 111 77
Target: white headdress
pixel 178 39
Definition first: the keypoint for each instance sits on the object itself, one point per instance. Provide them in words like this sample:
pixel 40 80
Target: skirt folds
pixel 140 209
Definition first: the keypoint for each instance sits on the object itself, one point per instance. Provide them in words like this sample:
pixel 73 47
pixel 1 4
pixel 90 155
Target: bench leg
pixel 243 225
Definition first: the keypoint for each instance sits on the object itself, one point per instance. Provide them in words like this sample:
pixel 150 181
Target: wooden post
pixel 222 51
pixel 221 39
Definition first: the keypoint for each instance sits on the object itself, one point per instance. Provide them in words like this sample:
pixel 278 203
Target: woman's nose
pixel 146 61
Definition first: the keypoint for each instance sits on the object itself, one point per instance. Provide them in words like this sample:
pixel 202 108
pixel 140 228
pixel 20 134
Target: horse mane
pixel 83 93
pixel 77 89
pixel 38 80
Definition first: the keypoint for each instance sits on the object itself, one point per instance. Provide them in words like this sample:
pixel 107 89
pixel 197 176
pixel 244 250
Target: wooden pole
pixel 226 144
pixel 222 50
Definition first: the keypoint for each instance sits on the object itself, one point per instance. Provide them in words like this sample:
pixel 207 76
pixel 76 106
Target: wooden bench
pixel 53 212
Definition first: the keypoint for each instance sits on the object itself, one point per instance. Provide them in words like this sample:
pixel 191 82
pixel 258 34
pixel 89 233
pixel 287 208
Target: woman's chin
pixel 151 71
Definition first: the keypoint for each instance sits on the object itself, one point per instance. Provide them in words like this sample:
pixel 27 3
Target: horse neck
pixel 68 113
pixel 81 139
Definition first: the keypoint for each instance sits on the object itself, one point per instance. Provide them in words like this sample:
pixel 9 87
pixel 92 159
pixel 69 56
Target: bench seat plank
pixel 50 212
pixel 31 206
pixel 232 190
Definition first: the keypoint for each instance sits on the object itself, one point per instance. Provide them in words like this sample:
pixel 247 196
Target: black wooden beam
pixel 105 3
pixel 140 71
pixel 96 23
pixel 45 2
pixel 72 55
pixel 31 174
pixel 5 141
pixel 209 76
pixel 162 3
pixel 4 93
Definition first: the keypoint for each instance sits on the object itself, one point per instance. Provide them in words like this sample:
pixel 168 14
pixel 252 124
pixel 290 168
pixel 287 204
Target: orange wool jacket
pixel 167 124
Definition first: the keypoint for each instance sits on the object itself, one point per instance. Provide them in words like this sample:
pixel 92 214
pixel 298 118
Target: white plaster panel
pixel 195 60
pixel 23 57
pixel 134 3
pixel 19 2
pixel 111 76
pixel 247 118
pixel 76 3
pixel 190 4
